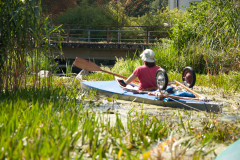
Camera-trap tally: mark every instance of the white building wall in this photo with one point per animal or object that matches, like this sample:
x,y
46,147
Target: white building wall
x,y
181,3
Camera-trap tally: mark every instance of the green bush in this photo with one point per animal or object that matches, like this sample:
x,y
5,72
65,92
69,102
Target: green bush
x,y
213,27
87,15
164,18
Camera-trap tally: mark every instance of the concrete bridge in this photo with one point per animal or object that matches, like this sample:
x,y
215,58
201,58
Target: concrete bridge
x,y
105,43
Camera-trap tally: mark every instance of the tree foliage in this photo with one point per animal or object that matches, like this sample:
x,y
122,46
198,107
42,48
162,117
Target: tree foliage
x,y
158,5
135,8
165,18
119,10
85,14
55,7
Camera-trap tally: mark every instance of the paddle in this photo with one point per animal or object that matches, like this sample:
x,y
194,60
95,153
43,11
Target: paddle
x,y
90,66
178,97
136,91
196,94
151,93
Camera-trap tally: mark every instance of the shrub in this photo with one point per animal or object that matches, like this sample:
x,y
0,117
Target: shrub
x,y
212,26
84,14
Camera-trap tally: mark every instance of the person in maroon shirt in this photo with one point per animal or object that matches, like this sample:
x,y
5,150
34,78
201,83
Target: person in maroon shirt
x,y
145,73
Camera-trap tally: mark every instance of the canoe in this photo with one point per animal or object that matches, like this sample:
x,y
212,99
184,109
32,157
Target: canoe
x,y
112,88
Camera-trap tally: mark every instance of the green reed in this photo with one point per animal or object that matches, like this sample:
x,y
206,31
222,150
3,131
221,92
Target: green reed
x,y
229,82
209,33
61,122
25,43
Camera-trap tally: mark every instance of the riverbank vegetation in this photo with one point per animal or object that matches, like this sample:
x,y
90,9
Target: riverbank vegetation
x,y
229,82
205,36
25,43
63,122
52,117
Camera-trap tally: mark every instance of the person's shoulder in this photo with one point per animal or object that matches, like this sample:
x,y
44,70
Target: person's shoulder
x,y
141,67
156,67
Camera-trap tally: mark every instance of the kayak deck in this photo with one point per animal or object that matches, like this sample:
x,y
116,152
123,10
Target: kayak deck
x,y
112,88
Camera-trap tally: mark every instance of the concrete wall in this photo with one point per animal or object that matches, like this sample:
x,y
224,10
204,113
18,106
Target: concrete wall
x,y
90,53
100,50
180,4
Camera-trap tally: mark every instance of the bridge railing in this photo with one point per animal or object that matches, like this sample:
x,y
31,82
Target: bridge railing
x,y
112,34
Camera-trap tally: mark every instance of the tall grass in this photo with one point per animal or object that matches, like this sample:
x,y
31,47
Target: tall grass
x,y
126,66
213,27
61,122
228,82
24,43
174,63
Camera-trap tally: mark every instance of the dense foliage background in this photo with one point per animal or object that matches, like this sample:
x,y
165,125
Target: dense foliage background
x,y
205,36
132,8
210,31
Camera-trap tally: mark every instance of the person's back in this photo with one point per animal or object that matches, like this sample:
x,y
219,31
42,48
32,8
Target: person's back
x,y
146,73
146,76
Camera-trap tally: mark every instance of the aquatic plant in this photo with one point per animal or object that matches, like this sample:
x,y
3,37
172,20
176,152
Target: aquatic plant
x,y
25,43
64,121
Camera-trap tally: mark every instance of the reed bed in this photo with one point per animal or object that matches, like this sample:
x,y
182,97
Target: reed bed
x,y
229,82
25,44
62,122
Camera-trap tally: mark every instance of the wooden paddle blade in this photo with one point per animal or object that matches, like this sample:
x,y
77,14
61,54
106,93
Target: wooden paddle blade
x,y
86,65
90,66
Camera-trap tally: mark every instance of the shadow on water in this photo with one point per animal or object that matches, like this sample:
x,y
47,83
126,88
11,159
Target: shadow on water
x,y
63,64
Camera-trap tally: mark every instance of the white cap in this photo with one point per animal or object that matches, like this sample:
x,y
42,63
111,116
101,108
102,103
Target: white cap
x,y
148,55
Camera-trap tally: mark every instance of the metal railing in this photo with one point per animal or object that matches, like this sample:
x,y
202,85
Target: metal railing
x,y
112,34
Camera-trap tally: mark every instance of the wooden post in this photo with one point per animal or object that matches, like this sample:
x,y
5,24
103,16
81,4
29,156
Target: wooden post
x,y
89,36
107,34
118,35
68,30
146,35
149,37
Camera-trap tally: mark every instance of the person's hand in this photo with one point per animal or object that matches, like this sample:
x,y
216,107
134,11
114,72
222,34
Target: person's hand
x,y
122,83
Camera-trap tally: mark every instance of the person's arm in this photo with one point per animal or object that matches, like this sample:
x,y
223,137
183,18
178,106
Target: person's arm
x,y
130,78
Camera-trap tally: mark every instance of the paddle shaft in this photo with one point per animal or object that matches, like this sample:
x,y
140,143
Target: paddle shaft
x,y
173,97
90,66
115,74
118,75
196,94
177,97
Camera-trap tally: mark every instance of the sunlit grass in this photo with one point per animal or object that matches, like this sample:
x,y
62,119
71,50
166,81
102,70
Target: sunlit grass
x,y
60,122
228,82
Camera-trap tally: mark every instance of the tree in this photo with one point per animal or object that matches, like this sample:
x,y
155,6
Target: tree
x,y
158,5
55,7
137,8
